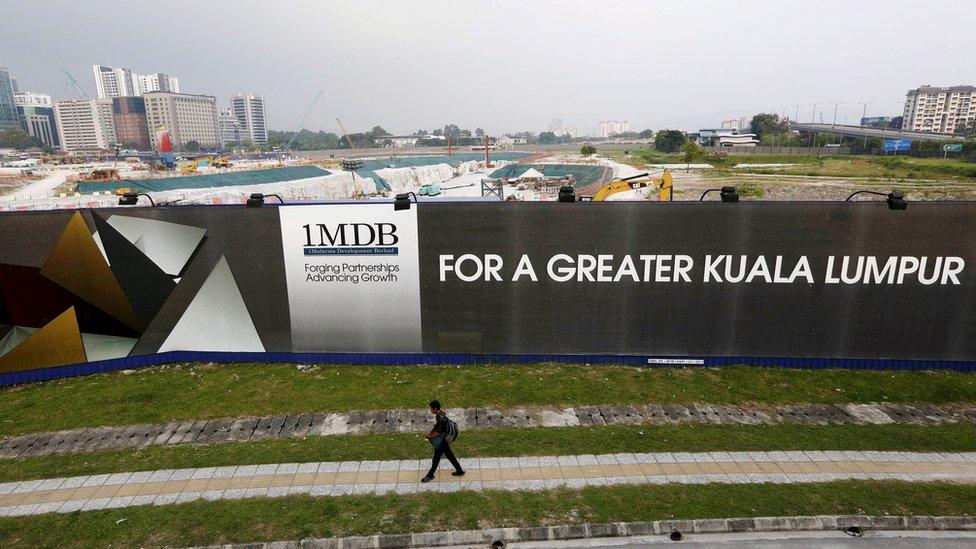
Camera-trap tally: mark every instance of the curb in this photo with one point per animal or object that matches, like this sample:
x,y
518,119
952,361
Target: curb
x,y
485,538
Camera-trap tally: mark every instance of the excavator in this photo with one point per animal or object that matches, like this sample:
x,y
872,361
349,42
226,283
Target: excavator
x,y
664,184
190,167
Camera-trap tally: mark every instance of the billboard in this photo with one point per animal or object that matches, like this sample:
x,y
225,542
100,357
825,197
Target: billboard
x,y
952,147
896,145
439,282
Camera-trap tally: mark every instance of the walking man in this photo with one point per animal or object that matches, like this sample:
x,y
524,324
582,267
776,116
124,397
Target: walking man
x,y
438,438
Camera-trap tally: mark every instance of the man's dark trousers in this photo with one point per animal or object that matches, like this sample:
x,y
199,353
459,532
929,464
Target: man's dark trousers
x,y
444,448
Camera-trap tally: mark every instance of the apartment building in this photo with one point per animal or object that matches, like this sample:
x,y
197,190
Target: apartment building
x,y
8,109
85,124
115,82
231,130
131,126
188,118
159,82
249,110
939,110
122,82
612,127
36,113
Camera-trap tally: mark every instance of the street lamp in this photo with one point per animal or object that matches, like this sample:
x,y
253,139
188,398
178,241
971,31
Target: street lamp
x,y
257,200
130,199
896,200
728,194
402,201
567,194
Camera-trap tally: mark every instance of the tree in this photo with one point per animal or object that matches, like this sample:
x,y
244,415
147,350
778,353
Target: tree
x,y
192,146
421,132
764,124
378,131
452,131
16,138
646,134
669,140
438,132
587,150
465,133
479,132
691,150
547,138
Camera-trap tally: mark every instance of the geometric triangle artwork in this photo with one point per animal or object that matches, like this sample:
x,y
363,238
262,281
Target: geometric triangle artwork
x,y
216,319
145,285
57,343
168,245
77,264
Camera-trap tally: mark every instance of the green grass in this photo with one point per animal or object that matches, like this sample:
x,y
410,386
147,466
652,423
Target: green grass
x,y
504,442
298,517
882,167
209,391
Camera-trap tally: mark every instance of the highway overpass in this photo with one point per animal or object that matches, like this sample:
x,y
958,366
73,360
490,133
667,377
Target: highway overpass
x,y
862,132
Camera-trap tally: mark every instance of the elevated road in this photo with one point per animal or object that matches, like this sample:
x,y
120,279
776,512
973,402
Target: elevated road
x,y
862,132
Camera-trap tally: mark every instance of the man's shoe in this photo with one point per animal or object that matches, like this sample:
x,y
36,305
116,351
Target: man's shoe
x,y
457,474
426,479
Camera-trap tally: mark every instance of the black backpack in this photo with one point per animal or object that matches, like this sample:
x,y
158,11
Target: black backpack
x,y
452,430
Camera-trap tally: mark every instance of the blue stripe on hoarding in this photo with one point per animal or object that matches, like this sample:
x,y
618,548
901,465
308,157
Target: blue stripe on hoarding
x,y
410,359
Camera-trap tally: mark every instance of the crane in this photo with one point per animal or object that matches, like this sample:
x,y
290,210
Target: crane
x,y
345,132
74,82
301,123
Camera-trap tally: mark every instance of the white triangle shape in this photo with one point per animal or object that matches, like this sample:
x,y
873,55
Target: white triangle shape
x,y
216,320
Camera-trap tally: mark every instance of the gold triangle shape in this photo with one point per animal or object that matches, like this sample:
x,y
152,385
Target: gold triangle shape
x,y
77,264
57,343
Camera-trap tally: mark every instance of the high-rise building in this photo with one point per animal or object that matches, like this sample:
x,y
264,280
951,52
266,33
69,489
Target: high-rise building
x,y
115,82
612,127
939,110
36,113
8,109
159,82
85,124
231,130
131,126
187,117
249,110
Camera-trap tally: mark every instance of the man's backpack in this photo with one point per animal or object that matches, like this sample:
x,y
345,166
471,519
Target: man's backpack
x,y
452,430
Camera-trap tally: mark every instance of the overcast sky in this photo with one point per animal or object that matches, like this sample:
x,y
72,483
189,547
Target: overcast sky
x,y
507,65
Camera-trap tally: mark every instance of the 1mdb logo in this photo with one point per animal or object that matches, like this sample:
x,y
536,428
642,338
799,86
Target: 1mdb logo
x,y
351,239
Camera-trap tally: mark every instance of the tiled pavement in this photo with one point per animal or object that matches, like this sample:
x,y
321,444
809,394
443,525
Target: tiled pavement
x,y
523,473
210,431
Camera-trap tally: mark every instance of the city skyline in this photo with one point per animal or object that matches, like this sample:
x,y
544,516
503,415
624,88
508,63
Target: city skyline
x,y
674,69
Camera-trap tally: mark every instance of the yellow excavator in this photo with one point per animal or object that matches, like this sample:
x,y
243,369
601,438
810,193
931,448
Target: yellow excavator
x,y
664,184
190,167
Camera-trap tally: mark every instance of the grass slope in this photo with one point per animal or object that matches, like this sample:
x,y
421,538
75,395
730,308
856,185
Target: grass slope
x,y
504,442
298,517
209,391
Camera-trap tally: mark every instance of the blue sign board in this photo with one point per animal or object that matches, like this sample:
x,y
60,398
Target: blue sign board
x,y
893,145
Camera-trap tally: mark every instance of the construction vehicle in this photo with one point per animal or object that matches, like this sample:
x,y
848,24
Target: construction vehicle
x,y
664,184
190,167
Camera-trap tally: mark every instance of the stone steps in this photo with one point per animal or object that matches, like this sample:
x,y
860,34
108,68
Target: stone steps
x,y
214,431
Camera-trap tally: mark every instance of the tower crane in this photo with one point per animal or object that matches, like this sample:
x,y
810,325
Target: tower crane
x,y
74,82
301,123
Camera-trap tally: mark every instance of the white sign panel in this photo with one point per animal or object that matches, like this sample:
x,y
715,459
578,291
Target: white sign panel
x,y
353,277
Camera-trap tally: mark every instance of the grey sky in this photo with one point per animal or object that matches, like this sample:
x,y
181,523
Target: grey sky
x,y
507,65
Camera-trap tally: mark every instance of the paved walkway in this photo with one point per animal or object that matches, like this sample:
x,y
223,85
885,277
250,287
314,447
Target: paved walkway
x,y
169,486
414,421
